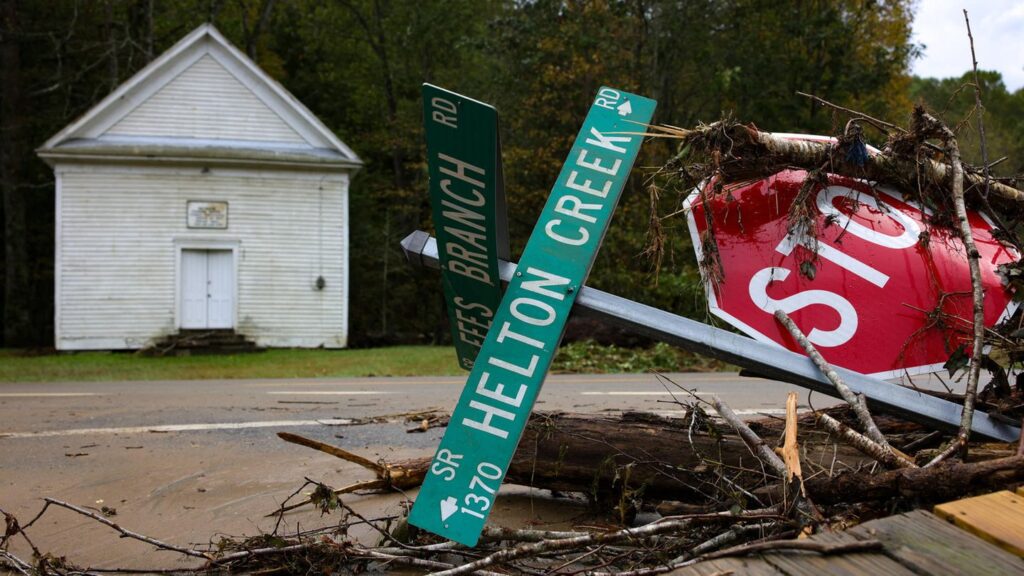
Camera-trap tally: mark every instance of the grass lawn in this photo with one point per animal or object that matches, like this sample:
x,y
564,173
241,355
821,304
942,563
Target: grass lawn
x,y
91,366
578,357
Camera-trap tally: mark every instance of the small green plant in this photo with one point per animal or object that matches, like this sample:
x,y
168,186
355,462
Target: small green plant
x,y
587,356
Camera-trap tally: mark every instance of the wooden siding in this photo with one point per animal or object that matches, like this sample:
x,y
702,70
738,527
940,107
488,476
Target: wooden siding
x,y
120,231
206,101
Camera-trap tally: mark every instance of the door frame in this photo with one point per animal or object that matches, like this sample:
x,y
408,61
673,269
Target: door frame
x,y
181,244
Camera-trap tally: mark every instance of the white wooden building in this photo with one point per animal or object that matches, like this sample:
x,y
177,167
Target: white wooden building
x,y
200,195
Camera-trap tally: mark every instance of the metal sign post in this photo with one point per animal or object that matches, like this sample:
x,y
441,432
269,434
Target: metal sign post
x,y
467,470
763,358
468,201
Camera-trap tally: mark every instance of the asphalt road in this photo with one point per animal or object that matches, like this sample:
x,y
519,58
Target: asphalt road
x,y
228,408
184,460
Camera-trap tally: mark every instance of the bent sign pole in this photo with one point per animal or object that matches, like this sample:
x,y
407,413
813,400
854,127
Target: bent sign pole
x,y
464,476
468,201
765,359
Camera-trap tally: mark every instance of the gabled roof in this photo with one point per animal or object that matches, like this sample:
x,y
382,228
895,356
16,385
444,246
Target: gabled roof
x,y
258,121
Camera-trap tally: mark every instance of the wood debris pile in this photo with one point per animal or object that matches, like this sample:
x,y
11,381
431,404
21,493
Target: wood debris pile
x,y
676,492
668,493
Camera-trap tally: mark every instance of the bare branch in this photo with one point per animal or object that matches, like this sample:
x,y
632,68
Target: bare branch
x,y
752,440
866,445
857,404
931,124
882,125
979,107
805,545
128,533
660,527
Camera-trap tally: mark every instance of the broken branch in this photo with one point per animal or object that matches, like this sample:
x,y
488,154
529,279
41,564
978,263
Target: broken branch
x,y
857,403
866,445
752,440
659,527
127,533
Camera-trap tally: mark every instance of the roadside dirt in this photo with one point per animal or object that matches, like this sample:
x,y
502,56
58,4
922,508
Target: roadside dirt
x,y
194,490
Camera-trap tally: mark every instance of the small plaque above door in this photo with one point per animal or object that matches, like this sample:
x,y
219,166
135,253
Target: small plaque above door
x,y
204,214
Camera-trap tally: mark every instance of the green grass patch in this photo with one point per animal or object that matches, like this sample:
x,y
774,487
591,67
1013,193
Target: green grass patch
x,y
297,363
578,357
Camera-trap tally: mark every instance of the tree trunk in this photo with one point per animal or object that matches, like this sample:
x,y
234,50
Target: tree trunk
x,y
945,481
611,456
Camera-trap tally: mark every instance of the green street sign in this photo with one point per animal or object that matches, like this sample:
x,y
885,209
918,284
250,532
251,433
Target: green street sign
x,y
474,455
468,201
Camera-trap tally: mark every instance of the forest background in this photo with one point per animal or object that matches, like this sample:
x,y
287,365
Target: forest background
x,y
359,64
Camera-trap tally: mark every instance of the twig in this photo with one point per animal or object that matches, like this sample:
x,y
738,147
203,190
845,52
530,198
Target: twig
x,y
921,441
864,444
980,108
381,471
880,124
746,144
752,440
535,548
365,485
805,545
499,533
414,561
13,527
855,402
13,562
246,554
128,533
727,537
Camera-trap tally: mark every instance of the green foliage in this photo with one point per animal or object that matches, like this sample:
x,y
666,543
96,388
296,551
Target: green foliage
x,y
589,357
953,101
359,64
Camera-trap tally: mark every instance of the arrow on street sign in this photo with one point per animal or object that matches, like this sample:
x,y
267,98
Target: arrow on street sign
x,y
468,201
489,419
448,507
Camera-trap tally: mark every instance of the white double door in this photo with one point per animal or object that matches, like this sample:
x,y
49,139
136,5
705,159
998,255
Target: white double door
x,y
207,289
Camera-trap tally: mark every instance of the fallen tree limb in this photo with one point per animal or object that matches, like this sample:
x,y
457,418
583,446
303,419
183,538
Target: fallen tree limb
x,y
599,455
603,456
944,481
747,153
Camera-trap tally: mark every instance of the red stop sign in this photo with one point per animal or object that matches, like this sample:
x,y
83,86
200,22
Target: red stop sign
x,y
881,300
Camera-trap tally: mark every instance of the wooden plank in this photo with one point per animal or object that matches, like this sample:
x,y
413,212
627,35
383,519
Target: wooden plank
x,y
730,566
853,564
997,518
929,545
